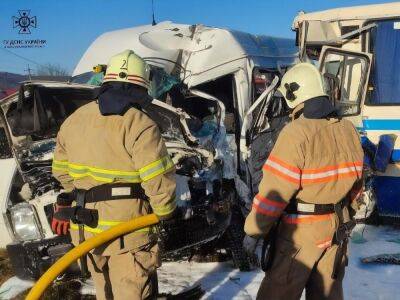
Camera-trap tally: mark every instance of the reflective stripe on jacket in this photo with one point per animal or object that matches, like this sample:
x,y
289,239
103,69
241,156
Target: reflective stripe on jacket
x,y
148,172
314,160
93,149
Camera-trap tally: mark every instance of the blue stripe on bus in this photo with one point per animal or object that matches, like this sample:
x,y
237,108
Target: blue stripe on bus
x,y
381,124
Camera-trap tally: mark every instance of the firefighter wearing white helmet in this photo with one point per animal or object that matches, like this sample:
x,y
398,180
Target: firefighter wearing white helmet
x,y
307,196
129,68
113,164
301,83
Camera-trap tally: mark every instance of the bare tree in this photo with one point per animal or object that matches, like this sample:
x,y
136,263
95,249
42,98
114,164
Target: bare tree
x,y
50,69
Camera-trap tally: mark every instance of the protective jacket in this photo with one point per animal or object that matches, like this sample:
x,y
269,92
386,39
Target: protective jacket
x,y
93,150
315,161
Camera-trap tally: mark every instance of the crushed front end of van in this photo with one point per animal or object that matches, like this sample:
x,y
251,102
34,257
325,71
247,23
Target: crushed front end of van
x,y
216,111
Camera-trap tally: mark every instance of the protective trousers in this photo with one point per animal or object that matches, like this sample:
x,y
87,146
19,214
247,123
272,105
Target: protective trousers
x,y
128,276
304,259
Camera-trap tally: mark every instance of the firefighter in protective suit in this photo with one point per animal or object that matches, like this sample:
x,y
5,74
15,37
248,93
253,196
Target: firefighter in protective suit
x,y
310,184
113,164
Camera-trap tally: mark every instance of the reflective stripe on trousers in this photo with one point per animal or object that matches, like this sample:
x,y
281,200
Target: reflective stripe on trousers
x,y
305,219
310,219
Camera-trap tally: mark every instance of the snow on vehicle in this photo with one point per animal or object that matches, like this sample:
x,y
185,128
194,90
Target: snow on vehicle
x,y
358,55
218,115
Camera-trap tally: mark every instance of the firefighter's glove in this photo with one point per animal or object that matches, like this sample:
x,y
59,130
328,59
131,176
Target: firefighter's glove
x,y
65,199
62,211
61,220
86,216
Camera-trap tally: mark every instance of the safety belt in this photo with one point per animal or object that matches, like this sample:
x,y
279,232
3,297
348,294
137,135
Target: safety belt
x,y
115,191
342,233
80,204
298,207
89,217
341,238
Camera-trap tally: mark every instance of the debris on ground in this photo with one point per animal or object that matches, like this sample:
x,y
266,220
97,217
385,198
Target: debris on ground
x,y
392,259
219,280
194,293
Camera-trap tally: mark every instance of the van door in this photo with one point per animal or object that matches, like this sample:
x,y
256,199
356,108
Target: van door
x,y
346,76
250,123
261,126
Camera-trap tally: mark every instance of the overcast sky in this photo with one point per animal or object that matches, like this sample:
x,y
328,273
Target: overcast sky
x,y
70,26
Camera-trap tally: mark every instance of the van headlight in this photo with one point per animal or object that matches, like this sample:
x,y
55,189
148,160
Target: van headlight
x,y
25,222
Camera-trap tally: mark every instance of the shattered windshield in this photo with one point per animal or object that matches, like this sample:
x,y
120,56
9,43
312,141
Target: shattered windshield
x,y
83,78
161,82
168,122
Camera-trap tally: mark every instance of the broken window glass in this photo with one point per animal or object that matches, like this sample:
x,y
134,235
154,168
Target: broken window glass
x,y
161,82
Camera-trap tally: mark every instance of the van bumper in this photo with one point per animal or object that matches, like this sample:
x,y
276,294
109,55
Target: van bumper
x,y
31,259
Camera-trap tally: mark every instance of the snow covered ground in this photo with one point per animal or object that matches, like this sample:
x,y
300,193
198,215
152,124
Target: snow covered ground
x,y
220,281
362,281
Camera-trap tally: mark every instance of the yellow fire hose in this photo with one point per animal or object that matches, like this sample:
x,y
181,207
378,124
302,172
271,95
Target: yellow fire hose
x,y
73,255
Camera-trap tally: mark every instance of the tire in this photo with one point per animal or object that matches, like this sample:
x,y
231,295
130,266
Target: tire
x,y
234,240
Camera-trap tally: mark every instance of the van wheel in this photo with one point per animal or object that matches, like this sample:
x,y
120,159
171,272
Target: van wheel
x,y
234,240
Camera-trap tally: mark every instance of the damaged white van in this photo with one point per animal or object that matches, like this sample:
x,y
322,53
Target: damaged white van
x,y
218,115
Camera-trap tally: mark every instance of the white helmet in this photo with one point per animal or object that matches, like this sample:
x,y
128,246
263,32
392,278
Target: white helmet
x,y
128,67
301,83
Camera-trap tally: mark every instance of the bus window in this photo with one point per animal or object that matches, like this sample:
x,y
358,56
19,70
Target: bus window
x,y
385,72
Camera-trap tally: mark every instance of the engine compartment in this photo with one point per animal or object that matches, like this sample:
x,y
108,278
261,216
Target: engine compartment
x,y
196,139
192,128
